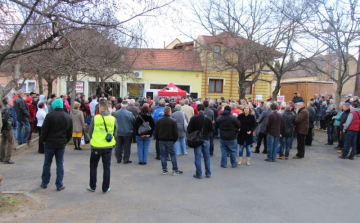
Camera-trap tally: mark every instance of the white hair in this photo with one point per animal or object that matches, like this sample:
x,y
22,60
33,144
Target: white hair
x,y
268,105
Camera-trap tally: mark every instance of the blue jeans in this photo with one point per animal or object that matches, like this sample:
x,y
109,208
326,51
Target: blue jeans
x,y
255,132
231,147
272,143
205,150
105,155
59,157
241,150
350,141
285,145
16,131
23,138
143,146
330,133
180,146
292,139
167,147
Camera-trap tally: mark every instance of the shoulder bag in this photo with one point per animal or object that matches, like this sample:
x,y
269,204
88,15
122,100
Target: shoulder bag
x,y
185,122
108,135
144,128
195,138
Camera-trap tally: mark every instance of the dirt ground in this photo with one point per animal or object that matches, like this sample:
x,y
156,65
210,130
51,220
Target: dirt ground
x,y
15,207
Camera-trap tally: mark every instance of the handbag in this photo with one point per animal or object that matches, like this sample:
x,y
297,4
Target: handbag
x,y
86,138
108,135
185,122
195,138
144,128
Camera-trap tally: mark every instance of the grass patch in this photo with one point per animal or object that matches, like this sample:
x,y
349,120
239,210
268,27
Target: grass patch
x,y
8,202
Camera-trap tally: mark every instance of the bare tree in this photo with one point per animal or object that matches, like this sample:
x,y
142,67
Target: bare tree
x,y
243,28
19,20
335,26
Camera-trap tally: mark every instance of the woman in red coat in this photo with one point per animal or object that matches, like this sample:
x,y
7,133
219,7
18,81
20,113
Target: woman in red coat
x,y
32,111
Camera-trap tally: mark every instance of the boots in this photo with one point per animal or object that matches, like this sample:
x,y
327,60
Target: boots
x,y
247,161
240,160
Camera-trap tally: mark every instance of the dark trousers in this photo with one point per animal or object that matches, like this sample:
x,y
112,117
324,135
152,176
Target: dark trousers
x,y
41,144
211,139
261,136
301,145
330,133
358,144
105,155
31,130
322,124
308,140
123,142
157,147
7,145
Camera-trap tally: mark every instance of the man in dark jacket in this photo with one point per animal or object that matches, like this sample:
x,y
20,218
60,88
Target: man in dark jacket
x,y
345,114
301,128
7,133
312,117
203,123
286,133
56,132
322,115
166,132
229,126
211,114
273,130
23,116
330,124
262,134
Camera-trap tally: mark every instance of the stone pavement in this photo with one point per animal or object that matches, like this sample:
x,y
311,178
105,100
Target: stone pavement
x,y
319,188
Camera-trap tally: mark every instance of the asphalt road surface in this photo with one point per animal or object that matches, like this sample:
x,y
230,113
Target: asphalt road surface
x,y
319,188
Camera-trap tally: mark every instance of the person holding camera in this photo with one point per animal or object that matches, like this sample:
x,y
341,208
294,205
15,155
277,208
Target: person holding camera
x,y
102,135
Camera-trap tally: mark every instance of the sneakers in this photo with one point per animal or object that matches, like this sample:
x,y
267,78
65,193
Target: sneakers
x,y
89,189
165,172
108,190
177,172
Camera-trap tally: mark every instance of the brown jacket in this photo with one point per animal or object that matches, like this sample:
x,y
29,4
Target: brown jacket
x,y
302,122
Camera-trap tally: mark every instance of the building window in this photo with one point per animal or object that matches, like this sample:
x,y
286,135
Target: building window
x,y
216,85
216,52
157,86
248,90
28,86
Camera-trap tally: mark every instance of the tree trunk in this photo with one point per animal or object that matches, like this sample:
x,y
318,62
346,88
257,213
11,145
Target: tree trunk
x,y
276,91
49,87
338,94
41,87
68,83
73,94
242,89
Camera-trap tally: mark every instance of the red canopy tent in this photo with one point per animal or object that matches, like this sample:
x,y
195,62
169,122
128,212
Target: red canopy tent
x,y
171,90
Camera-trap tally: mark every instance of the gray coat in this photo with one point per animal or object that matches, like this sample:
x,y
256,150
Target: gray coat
x,y
262,120
77,118
125,122
179,118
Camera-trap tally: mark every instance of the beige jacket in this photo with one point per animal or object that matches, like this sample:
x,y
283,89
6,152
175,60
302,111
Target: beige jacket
x,y
77,117
189,111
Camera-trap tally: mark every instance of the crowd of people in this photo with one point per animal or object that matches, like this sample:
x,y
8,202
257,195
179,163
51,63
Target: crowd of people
x,y
112,123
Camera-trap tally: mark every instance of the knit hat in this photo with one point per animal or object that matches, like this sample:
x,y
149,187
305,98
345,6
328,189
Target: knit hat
x,y
58,103
227,108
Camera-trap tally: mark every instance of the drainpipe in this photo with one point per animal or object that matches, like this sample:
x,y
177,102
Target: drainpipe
x,y
206,72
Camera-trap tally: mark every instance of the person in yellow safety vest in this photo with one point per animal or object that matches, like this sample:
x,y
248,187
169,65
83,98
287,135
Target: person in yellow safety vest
x,y
102,134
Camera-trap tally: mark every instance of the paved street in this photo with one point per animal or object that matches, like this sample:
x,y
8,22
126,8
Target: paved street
x,y
319,188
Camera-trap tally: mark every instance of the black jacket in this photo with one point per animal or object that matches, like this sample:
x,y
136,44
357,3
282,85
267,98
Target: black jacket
x,y
312,116
7,118
288,123
344,117
57,128
228,125
166,129
247,123
22,110
328,117
147,118
198,121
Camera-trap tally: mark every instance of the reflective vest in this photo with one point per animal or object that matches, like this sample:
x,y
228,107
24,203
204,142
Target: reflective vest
x,y
98,139
355,123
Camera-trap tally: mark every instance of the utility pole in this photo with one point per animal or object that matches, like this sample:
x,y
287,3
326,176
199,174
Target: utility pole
x,y
357,79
